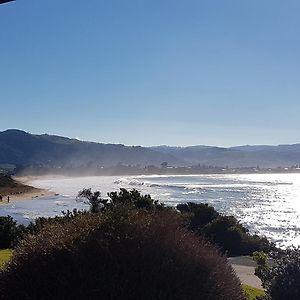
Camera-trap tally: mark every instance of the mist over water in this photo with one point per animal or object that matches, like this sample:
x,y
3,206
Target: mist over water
x,y
267,204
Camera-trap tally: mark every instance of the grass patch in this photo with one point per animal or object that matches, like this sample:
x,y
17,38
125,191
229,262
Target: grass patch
x,y
252,292
5,256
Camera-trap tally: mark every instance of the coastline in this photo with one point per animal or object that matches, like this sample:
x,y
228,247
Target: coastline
x,y
24,192
244,267
212,190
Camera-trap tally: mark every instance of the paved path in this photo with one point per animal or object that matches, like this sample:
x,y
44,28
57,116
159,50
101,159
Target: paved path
x,y
244,267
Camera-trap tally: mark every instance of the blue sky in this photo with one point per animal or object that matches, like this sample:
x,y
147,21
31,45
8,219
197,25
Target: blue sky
x,y
149,72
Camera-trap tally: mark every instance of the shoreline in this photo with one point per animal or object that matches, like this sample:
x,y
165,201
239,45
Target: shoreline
x,y
29,195
25,192
25,196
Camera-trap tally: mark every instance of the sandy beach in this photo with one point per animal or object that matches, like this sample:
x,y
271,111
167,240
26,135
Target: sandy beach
x,y
26,192
35,193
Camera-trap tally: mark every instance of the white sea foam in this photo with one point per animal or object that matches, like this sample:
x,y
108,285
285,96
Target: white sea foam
x,y
267,204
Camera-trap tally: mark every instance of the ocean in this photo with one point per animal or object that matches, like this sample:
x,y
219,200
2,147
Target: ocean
x,y
267,204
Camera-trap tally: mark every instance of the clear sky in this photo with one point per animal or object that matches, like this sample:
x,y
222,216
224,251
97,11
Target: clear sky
x,y
149,72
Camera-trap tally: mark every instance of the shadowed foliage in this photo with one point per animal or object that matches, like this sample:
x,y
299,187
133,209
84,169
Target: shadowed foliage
x,y
281,279
10,232
94,198
132,198
224,231
122,254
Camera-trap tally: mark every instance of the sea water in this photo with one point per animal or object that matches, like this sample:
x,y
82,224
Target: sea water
x,y
267,204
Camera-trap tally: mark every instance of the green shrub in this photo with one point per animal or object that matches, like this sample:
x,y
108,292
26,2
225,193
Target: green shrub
x,y
6,181
94,198
224,231
200,213
36,226
281,279
134,198
10,232
122,254
261,259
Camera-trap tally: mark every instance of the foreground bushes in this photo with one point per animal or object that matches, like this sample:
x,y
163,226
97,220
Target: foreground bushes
x,y
11,233
120,254
224,231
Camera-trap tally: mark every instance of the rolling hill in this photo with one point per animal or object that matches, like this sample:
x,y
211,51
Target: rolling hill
x,y
236,157
21,148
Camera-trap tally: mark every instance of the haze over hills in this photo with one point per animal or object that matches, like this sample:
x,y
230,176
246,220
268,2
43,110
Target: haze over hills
x,y
21,148
240,156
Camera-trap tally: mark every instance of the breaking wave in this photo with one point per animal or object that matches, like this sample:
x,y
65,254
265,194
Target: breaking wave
x,y
136,183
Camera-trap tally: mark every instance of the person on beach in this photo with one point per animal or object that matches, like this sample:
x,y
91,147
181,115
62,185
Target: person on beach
x,y
7,199
1,198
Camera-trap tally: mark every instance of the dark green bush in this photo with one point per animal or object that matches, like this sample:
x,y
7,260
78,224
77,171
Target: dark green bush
x,y
94,198
281,279
6,181
10,232
134,198
122,254
224,231
200,214
36,226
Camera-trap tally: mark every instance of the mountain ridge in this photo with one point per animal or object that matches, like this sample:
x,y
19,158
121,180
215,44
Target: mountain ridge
x,y
18,147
